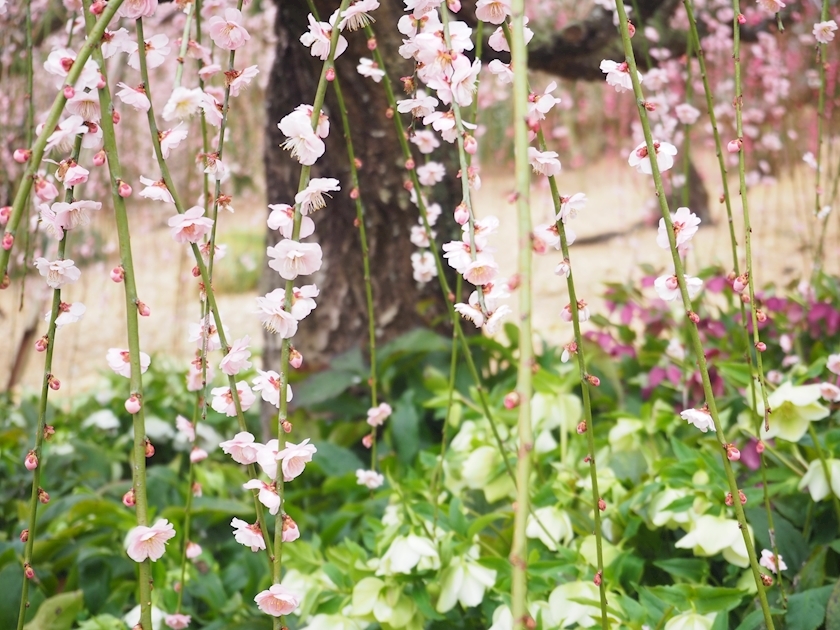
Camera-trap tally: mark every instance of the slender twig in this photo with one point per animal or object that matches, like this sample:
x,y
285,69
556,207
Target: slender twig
x,y
95,31
695,337
822,61
185,40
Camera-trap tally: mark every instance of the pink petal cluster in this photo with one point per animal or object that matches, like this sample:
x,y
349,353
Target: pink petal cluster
x,y
149,542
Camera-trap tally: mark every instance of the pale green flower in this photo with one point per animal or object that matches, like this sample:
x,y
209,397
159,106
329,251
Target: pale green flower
x,y
555,521
567,609
334,622
624,435
478,473
691,621
589,551
816,482
408,552
712,535
793,408
465,581
386,603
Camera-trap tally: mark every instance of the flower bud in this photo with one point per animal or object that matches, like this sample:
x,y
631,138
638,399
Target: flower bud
x,y
49,431
143,309
117,274
602,505
389,113
581,427
512,400
330,76
69,92
593,380
742,497
295,358
115,117
99,158
766,580
31,461
193,550
8,241
733,146
124,190
24,535
462,215
197,455
150,448
732,453
759,447
742,19
409,164
42,343
367,441
28,571
671,283
470,144
5,213
132,405
21,156
354,194
55,384
728,500
740,283
694,317
286,426
98,7
196,489
5,282
129,498
371,43
43,496
631,29
598,579
761,316
761,346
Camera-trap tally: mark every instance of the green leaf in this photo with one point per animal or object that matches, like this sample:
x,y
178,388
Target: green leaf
x,y
478,525
336,461
456,517
324,386
832,611
691,569
807,610
58,612
756,619
405,428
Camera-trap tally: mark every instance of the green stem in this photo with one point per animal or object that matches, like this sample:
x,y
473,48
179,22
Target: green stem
x,y
695,337
185,40
42,416
129,284
92,41
822,52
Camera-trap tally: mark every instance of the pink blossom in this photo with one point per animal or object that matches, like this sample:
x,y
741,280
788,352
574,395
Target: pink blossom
x,y
86,105
157,48
498,42
205,335
45,190
540,104
242,448
58,272
667,287
170,139
193,550
114,42
376,416
544,162
247,534
149,542
223,398
295,457
481,271
68,129
177,621
569,206
470,313
618,75
640,160
72,175
68,314
771,562
274,316
267,494
135,9
318,39
425,140
183,103
277,601
290,529
282,217
268,385
686,114
369,68
771,6
305,145
423,266
369,478
155,190
493,11
420,106
356,15
292,259
700,418
686,224
186,427
237,357
833,363
60,61
119,360
191,226
302,300
134,97
311,198
824,31
228,33
239,80
267,458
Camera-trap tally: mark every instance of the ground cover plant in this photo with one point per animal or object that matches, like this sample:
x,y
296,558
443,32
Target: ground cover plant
x,y
674,463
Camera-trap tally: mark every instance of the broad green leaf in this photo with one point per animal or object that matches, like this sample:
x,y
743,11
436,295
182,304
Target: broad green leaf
x,y
57,613
832,611
807,610
405,428
322,387
335,460
691,569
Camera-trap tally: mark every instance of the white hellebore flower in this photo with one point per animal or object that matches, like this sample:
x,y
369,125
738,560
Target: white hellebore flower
x,y
794,408
465,581
815,479
558,526
691,621
715,534
408,552
566,609
386,604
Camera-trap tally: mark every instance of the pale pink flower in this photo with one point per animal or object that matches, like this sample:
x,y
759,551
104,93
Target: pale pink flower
x,y
771,562
60,61
205,335
502,71
282,217
498,42
311,198
420,237
156,190
431,173
242,448
376,416
833,363
239,80
177,621
824,31
491,326
223,398
197,454
237,357
114,42
687,114
640,160
68,314
228,32
267,458
170,139
212,109
423,266
295,457
830,392
668,289
119,360
700,418
247,534
540,104
73,175
291,532
134,9
459,87
44,190
277,601
457,254
305,145
322,127
68,129
356,15
268,385
292,259
420,106
569,206
193,550
546,235
302,300
268,494
544,162
369,68
149,542
274,316
470,313
481,271
618,75
157,48
58,272
186,427
134,97
493,11
425,140
209,71
369,478
215,167
318,39
191,226
183,103
771,6
86,105
686,224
